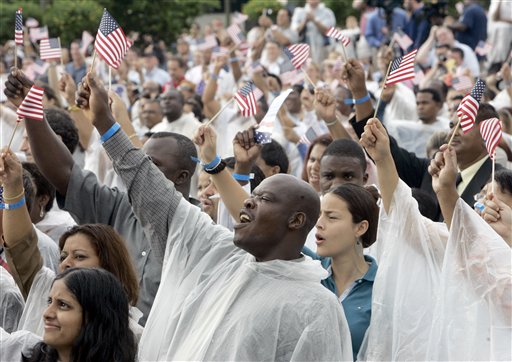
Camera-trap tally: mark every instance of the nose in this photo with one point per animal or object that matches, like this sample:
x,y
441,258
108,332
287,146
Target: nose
x,y
209,190
249,203
66,263
49,313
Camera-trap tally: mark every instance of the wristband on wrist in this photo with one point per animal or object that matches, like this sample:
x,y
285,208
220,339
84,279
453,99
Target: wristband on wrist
x,y
357,101
14,197
16,205
111,131
210,165
330,124
218,168
233,60
73,108
240,177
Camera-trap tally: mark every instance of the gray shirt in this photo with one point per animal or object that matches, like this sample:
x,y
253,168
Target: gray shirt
x,y
89,202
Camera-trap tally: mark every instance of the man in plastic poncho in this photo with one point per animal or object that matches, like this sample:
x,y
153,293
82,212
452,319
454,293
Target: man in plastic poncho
x,y
251,296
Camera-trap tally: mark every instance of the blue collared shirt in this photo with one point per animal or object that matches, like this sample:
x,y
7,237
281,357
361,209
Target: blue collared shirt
x,y
356,299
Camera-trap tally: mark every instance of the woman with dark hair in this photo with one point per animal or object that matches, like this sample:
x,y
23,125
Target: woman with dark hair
x,y
83,246
311,170
347,224
86,319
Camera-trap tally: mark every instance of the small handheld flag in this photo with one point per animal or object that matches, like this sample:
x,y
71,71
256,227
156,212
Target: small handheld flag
x,y
298,54
338,35
246,100
236,34
401,69
36,34
491,133
207,43
18,27
50,49
264,133
468,107
32,106
483,48
111,43
402,40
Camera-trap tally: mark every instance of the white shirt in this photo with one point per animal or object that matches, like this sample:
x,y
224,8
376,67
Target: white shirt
x,y
186,125
158,75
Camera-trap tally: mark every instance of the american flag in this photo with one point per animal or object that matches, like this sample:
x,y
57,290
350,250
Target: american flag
x,y
266,126
292,77
236,34
263,138
308,136
87,39
402,69
208,42
239,18
18,27
468,107
402,40
50,49
462,83
246,100
111,43
298,54
36,34
32,105
337,34
491,133
483,48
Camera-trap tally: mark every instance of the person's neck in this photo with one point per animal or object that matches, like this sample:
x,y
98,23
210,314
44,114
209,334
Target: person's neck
x,y
348,267
184,190
77,63
172,117
64,355
282,253
429,120
465,161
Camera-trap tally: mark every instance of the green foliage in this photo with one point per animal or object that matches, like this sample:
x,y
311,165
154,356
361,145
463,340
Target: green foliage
x,y
164,19
254,8
341,9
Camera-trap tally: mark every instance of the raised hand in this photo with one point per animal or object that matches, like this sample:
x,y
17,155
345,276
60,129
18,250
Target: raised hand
x,y
11,173
206,138
375,140
93,98
17,86
499,216
67,87
325,105
246,149
443,169
353,75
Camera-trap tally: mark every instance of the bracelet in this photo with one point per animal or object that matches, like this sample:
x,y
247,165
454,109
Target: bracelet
x,y
16,205
132,136
14,197
218,168
233,60
111,131
73,108
214,163
330,124
350,101
240,177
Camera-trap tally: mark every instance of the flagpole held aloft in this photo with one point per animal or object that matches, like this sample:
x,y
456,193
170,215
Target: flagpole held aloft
x,y
383,87
220,111
109,78
61,59
455,129
13,133
93,60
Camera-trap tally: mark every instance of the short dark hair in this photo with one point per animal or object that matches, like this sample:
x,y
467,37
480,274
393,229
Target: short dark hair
x,y
324,140
274,155
105,334
62,124
459,51
187,148
503,178
436,97
112,254
362,205
485,111
43,186
346,148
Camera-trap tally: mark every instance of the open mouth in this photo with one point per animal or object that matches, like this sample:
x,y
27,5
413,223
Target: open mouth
x,y
319,239
244,218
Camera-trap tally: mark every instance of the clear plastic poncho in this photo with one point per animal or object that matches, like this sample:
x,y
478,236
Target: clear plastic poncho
x,y
439,295
11,302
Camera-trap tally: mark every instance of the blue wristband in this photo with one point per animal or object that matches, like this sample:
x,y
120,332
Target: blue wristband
x,y
240,177
111,131
16,205
357,101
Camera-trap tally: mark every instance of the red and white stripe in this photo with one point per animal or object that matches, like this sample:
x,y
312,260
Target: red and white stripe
x,y
402,40
234,32
292,77
462,83
32,106
300,54
248,106
338,35
404,71
46,50
490,129
467,110
112,48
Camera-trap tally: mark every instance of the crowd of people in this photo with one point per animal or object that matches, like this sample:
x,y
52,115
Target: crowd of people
x,y
143,219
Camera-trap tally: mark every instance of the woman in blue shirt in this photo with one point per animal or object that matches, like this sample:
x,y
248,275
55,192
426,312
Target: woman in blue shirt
x,y
348,223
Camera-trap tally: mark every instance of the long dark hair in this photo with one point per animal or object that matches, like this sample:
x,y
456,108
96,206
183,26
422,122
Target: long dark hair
x,y
105,334
324,140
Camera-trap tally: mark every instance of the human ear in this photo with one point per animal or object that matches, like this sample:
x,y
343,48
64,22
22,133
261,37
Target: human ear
x,y
297,221
362,228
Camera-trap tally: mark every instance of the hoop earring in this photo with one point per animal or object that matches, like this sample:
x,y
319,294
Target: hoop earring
x,y
41,213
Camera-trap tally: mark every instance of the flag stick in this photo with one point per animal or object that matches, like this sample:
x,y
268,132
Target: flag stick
x,y
109,78
13,133
383,87
220,111
454,132
308,79
15,55
93,60
492,174
61,59
344,52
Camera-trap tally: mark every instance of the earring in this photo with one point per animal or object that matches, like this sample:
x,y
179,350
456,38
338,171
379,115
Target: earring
x,y
41,213
358,240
